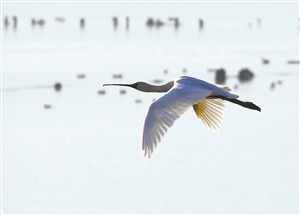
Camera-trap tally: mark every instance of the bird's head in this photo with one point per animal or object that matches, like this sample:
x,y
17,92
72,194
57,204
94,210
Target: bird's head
x,y
145,87
141,86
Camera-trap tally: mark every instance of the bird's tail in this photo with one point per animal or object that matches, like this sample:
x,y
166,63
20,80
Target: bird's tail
x,y
249,105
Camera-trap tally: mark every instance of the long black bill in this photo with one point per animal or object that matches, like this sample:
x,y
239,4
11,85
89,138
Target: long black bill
x,y
249,105
124,85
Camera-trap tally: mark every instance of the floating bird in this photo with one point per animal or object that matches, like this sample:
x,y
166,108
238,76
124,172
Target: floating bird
x,y
82,22
176,21
265,61
293,61
60,19
33,22
15,21
6,22
101,92
81,76
245,75
122,92
138,101
158,23
150,22
201,23
46,106
115,21
258,20
117,76
272,86
57,86
127,22
41,22
157,81
220,76
208,101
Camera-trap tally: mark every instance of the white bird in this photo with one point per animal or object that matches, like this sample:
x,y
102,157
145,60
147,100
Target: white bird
x,y
207,100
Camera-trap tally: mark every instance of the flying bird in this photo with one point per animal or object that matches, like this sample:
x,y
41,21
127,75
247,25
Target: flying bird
x,y
208,101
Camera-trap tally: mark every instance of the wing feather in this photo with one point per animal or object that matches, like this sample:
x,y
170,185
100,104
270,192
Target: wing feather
x,y
163,113
211,112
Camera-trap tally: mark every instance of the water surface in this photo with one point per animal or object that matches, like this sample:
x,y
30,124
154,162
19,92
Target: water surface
x,y
83,155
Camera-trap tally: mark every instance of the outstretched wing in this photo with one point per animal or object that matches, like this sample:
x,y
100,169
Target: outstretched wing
x,y
164,112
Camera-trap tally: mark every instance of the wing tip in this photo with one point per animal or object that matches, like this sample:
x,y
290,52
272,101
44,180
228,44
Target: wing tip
x,y
147,152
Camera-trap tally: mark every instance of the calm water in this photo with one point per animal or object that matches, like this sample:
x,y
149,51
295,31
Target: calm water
x,y
83,155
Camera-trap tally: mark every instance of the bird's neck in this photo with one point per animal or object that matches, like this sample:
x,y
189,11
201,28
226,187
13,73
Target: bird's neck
x,y
158,88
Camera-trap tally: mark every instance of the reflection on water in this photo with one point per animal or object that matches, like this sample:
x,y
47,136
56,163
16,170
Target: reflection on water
x,y
70,146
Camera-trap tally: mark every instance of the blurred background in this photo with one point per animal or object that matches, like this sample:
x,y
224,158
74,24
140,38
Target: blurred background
x,y
70,145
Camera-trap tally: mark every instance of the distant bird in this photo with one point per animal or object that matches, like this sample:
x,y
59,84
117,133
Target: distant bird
x,y
46,106
101,92
15,21
33,22
138,101
158,23
208,101
245,75
201,23
115,21
258,20
41,22
150,22
57,86
81,76
82,22
175,20
272,86
60,19
157,81
127,22
220,76
122,92
293,61
6,22
265,61
117,76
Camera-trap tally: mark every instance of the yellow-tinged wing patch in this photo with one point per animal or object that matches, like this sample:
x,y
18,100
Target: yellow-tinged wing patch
x,y
211,112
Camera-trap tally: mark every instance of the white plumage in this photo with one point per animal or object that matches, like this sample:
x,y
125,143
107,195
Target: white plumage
x,y
181,94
